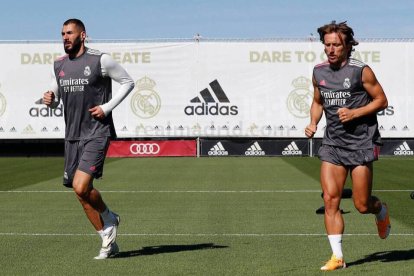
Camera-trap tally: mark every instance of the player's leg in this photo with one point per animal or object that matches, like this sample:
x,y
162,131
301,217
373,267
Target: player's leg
x,y
92,202
80,181
92,162
364,202
90,167
333,179
89,198
94,207
361,190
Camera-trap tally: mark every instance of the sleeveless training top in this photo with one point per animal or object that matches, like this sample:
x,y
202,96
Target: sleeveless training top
x,y
343,88
81,87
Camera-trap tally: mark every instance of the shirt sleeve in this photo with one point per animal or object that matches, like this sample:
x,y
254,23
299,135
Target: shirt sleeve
x,y
110,68
55,89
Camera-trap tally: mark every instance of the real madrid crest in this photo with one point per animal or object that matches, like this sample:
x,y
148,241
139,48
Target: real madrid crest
x,y
145,102
347,83
300,99
87,71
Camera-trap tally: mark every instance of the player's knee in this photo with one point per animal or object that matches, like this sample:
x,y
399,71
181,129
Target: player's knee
x,y
362,207
82,184
81,193
331,199
80,190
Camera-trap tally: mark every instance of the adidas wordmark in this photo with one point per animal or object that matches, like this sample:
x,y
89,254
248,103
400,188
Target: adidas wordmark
x,y
255,149
403,149
218,149
292,149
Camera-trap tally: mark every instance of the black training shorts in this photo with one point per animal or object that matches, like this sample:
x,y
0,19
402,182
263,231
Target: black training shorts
x,y
345,157
85,155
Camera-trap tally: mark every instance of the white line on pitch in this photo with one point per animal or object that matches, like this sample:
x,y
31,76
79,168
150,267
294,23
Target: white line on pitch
x,y
174,191
198,234
195,191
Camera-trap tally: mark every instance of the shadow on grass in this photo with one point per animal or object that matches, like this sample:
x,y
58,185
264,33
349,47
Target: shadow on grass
x,y
161,249
386,256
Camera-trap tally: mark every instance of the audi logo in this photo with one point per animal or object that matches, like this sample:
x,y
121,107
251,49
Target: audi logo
x,y
149,148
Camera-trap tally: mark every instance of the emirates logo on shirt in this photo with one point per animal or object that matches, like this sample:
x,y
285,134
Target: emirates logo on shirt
x,y
61,73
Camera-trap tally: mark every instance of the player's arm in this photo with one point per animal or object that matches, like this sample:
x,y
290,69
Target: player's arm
x,y
374,89
51,98
316,111
117,73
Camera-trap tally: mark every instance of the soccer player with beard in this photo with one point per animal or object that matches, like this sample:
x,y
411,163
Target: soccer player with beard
x,y
349,94
83,80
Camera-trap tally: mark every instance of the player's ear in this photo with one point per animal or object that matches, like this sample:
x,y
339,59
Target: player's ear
x,y
83,35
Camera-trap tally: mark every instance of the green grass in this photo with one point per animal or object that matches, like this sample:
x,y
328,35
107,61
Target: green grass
x,y
206,216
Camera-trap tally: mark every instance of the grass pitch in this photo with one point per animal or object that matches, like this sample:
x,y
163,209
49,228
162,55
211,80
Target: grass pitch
x,y
206,216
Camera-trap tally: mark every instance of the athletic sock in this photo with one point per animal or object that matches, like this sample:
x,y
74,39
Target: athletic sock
x,y
336,245
108,218
381,215
101,233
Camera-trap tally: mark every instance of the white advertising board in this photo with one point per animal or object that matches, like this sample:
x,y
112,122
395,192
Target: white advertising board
x,y
203,89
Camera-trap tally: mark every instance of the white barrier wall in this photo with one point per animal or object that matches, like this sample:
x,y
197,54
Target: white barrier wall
x,y
207,88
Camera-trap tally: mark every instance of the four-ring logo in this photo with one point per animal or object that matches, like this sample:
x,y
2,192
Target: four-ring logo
x,y
148,148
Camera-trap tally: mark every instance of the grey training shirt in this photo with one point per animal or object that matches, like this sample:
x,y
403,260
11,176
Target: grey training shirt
x,y
85,82
344,88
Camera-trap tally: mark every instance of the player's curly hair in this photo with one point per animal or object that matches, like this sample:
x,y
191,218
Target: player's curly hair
x,y
342,28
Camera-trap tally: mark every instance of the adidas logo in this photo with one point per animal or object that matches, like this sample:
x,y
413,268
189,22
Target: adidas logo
x,y
292,149
28,130
218,149
45,111
210,106
255,149
403,149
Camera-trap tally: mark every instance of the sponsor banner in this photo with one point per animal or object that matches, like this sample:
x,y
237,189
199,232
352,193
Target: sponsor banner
x,y
291,147
201,88
396,147
152,148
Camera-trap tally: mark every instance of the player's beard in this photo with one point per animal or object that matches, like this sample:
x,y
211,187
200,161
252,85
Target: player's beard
x,y
76,46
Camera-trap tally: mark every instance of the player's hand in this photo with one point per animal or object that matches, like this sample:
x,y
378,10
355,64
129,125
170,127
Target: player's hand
x,y
48,98
345,114
310,130
97,112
